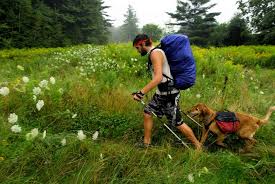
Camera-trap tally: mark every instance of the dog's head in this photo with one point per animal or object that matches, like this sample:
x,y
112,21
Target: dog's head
x,y
198,110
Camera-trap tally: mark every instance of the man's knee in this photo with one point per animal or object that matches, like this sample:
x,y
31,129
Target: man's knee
x,y
147,115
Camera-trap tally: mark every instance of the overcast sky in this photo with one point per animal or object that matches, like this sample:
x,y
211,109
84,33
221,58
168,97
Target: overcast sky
x,y
153,11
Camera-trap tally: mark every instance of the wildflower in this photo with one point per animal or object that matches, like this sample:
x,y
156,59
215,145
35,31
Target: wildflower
x,y
198,95
261,92
205,170
101,156
169,156
80,135
16,128
43,84
95,135
39,104
203,76
34,98
63,142
20,67
4,91
191,178
251,78
44,134
13,118
36,90
52,80
25,79
60,90
74,116
34,132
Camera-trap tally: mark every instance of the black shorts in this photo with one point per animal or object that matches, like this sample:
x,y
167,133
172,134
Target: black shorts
x,y
166,105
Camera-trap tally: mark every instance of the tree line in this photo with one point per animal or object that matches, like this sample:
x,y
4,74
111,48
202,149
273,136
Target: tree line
x,y
52,23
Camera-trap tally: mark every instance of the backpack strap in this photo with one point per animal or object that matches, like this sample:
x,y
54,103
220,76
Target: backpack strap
x,y
149,63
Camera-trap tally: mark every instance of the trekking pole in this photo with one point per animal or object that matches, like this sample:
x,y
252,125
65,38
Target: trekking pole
x,y
169,128
191,119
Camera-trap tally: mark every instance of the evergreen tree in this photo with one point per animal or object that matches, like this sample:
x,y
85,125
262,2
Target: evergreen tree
x,y
261,15
51,23
194,20
238,32
130,27
153,31
219,35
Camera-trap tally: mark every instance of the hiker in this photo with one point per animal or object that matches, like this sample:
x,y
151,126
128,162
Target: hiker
x,y
165,101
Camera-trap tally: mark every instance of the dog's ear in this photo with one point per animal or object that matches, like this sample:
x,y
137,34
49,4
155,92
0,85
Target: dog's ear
x,y
203,109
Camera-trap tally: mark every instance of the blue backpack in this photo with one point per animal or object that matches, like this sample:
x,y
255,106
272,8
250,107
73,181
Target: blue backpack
x,y
180,59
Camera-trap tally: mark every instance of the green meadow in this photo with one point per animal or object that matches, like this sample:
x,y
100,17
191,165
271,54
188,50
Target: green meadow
x,y
54,101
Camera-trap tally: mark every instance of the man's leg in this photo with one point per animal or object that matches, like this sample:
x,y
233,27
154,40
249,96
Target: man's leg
x,y
148,125
188,132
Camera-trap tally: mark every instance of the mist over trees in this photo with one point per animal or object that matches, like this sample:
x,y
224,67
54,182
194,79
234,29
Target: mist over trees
x,y
51,23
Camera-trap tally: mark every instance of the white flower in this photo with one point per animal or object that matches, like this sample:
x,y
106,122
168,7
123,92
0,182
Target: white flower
x,y
36,90
191,178
60,90
44,134
203,76
52,80
198,95
13,118
205,170
169,156
20,67
261,92
25,79
16,128
95,135
80,135
251,78
101,156
74,116
34,98
34,132
4,91
43,84
39,104
63,142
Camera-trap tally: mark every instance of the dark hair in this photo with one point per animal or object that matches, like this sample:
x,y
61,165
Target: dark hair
x,y
142,37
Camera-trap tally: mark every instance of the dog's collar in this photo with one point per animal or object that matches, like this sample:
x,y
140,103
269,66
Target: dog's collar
x,y
208,125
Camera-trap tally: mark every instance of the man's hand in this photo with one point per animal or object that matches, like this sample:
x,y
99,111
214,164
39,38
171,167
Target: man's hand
x,y
138,95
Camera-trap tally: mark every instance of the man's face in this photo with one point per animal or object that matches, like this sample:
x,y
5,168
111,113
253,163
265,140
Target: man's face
x,y
141,50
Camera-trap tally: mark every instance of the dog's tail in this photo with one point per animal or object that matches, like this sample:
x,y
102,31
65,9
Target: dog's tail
x,y
267,116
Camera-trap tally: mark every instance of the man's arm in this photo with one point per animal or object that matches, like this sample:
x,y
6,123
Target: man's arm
x,y
157,62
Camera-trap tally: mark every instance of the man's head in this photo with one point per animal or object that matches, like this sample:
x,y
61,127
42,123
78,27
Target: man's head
x,y
142,43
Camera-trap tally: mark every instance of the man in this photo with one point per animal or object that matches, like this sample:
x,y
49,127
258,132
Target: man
x,y
166,98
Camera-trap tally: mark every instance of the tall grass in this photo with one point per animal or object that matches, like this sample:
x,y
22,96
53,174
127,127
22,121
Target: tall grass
x,y
94,84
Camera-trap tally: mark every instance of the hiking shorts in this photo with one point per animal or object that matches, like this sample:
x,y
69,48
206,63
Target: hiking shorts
x,y
166,105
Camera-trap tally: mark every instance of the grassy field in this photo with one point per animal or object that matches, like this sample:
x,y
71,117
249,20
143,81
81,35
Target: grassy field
x,y
53,102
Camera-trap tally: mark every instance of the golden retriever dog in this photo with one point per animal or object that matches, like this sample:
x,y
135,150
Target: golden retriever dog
x,y
246,129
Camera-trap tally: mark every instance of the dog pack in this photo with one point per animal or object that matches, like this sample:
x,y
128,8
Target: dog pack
x,y
227,122
180,58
